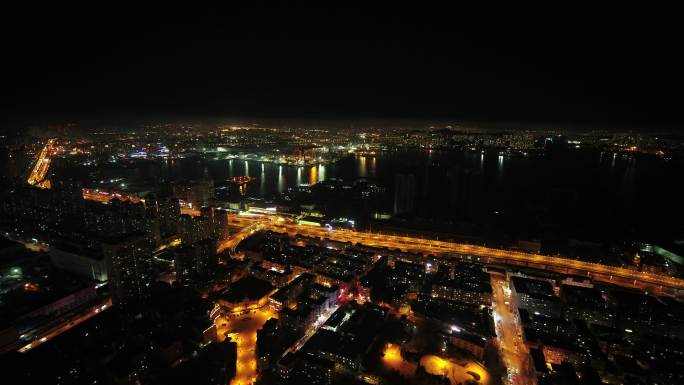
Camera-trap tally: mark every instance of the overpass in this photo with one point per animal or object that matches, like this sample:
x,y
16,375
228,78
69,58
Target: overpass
x,y
476,254
231,243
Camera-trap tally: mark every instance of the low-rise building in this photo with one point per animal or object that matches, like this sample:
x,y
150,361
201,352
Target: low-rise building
x,y
248,293
536,296
469,342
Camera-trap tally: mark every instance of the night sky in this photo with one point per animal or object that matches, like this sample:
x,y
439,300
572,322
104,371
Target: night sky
x,y
523,63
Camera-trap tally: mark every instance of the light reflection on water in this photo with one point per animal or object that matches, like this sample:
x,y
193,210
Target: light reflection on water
x,y
321,172
274,178
313,175
282,181
366,166
500,169
488,175
262,181
362,166
620,191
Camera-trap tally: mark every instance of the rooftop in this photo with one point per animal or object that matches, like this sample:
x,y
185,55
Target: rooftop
x,y
533,287
247,288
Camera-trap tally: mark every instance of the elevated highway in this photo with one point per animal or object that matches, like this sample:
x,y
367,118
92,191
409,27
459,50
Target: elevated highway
x,y
480,254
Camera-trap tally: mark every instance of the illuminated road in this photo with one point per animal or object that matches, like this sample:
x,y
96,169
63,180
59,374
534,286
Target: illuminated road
x,y
312,330
67,325
33,244
513,351
190,211
104,196
39,172
187,209
612,274
243,331
486,255
235,238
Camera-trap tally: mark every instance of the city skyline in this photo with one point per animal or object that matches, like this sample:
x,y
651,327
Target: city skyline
x,y
284,195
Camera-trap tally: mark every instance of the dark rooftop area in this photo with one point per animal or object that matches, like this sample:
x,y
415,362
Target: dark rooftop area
x,y
533,287
247,288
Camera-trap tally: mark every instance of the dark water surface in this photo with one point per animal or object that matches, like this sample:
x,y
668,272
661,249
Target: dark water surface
x,y
586,192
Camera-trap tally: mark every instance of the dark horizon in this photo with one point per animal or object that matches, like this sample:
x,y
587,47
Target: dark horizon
x,y
529,65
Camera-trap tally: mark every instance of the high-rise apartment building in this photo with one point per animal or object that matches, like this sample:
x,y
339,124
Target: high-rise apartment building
x,y
129,268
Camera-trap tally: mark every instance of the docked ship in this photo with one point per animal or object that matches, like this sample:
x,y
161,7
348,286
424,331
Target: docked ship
x,y
241,180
